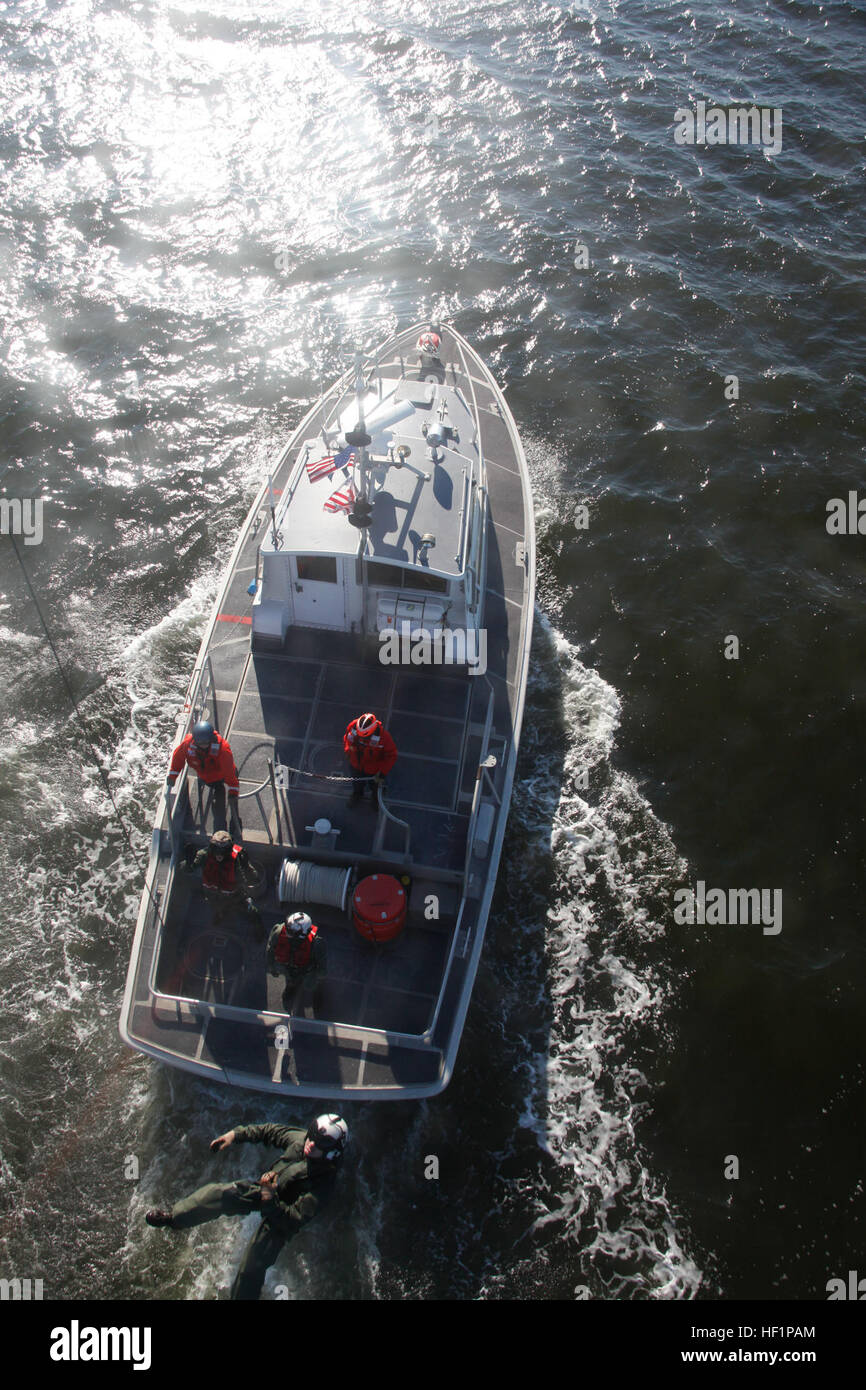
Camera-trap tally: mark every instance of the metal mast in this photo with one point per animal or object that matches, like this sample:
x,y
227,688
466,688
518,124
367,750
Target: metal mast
x,y
361,513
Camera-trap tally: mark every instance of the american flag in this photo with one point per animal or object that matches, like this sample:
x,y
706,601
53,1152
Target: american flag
x,y
325,467
342,499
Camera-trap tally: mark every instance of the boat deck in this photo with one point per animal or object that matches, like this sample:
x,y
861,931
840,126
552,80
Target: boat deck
x,y
391,986
292,708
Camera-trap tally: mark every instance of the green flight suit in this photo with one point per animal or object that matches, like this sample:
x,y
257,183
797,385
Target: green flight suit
x,y
303,1187
238,900
299,979
316,967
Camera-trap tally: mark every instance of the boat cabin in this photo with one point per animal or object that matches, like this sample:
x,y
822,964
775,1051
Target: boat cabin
x,y
416,560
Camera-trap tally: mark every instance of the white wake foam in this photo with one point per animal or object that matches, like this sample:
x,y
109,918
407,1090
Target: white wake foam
x,y
607,984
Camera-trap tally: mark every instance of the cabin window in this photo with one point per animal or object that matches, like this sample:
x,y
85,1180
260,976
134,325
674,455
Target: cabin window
x,y
383,574
430,583
322,568
393,577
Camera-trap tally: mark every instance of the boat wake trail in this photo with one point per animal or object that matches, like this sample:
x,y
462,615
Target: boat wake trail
x,y
571,1012
593,870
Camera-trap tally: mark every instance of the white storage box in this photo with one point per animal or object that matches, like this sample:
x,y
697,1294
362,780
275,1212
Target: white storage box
x,y
395,613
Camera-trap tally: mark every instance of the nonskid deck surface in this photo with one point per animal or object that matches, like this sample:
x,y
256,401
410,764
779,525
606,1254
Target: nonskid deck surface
x,y
289,705
215,958
292,708
392,986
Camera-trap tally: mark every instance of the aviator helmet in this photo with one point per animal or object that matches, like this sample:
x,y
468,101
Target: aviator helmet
x,y
329,1133
299,924
202,734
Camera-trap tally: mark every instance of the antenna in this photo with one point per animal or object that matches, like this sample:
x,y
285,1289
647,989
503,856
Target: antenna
x,y
361,513
272,504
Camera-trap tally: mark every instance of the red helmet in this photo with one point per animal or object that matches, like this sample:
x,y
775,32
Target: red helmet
x,y
367,725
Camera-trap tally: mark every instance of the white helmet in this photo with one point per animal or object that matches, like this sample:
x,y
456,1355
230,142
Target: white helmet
x,y
330,1134
299,924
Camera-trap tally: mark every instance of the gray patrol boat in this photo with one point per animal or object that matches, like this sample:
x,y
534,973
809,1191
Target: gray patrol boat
x,y
386,566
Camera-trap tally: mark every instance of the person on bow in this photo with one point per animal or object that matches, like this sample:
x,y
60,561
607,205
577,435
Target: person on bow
x,y
209,756
288,1195
297,952
371,752
228,877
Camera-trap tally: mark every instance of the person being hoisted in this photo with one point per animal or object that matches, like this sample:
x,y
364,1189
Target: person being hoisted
x,y
297,951
209,756
228,878
294,1190
372,753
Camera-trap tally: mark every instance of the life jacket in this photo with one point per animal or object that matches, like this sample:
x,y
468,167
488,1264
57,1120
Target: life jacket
x,y
199,757
375,753
221,874
205,761
297,955
212,764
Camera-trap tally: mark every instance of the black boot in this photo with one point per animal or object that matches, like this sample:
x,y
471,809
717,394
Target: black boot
x,y
158,1217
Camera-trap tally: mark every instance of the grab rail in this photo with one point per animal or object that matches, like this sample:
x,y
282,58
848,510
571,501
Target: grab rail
x,y
477,435
389,815
201,690
482,770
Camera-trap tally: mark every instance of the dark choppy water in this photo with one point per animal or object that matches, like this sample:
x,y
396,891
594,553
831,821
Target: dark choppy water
x,y
198,203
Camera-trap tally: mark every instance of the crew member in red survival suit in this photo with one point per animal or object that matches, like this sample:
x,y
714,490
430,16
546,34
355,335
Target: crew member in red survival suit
x,y
209,756
372,753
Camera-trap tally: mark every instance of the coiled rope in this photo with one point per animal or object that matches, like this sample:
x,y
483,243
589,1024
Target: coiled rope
x,y
313,883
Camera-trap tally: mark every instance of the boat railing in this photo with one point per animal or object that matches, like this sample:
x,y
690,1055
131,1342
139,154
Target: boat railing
x,y
269,1017
404,825
292,483
486,763
175,808
339,390
201,692
463,517
472,484
462,936
473,566
169,817
476,419
457,937
199,703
